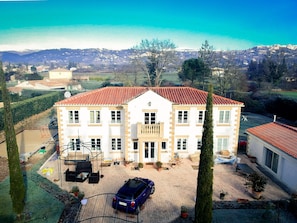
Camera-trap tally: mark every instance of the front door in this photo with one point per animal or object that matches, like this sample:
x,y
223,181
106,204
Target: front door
x,y
149,152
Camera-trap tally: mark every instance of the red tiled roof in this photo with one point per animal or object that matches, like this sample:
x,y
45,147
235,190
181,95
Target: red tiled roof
x,y
281,136
122,95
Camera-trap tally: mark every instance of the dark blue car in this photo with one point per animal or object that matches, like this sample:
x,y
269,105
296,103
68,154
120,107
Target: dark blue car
x,y
132,195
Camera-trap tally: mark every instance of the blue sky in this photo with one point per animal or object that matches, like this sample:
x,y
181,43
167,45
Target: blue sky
x,y
228,24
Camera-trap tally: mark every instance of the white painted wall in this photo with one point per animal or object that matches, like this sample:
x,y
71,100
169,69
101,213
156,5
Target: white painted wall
x,y
135,109
286,165
158,103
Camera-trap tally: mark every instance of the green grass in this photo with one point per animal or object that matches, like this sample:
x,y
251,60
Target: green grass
x,y
252,121
40,206
37,205
127,79
289,94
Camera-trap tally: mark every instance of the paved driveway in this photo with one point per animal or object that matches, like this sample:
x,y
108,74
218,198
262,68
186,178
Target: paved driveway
x,y
174,187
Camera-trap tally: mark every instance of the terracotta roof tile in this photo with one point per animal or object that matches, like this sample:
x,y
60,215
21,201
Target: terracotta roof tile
x,y
122,95
281,136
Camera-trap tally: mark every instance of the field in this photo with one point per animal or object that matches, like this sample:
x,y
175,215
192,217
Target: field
x,y
250,120
289,94
127,78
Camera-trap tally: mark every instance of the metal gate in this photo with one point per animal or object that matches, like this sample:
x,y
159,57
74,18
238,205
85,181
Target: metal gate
x,y
98,208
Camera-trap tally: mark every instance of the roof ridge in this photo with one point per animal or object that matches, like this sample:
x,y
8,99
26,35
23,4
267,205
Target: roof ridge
x,y
286,126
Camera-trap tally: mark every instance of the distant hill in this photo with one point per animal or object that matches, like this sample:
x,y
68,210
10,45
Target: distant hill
x,y
106,57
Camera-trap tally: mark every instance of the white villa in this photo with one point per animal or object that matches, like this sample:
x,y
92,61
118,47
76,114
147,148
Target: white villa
x,y
145,124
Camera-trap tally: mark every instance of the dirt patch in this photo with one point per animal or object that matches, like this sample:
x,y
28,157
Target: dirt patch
x,y
34,122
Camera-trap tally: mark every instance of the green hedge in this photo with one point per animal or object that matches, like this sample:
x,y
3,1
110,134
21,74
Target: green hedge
x,y
27,108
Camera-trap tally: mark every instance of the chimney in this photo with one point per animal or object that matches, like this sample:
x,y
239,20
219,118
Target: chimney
x,y
274,118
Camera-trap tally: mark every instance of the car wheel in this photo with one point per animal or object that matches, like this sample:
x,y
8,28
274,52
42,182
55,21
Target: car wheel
x,y
153,190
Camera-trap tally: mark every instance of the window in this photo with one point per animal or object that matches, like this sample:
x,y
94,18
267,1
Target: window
x,y
75,144
116,144
199,144
181,144
201,115
95,144
222,144
271,160
224,117
73,117
182,117
149,118
163,145
94,116
116,116
135,145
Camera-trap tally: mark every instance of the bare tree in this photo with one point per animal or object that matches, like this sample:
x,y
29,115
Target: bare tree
x,y
153,57
207,54
230,77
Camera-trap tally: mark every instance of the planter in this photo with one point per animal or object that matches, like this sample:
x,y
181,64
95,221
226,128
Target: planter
x,y
256,194
222,196
184,212
258,184
159,165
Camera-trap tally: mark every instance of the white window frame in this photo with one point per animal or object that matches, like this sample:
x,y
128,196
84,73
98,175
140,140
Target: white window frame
x,y
182,117
135,145
116,144
115,116
75,144
201,117
181,144
95,116
73,116
199,143
96,144
224,116
222,143
163,145
149,118
274,160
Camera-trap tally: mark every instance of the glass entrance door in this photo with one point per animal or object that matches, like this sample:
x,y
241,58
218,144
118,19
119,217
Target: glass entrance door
x,y
149,152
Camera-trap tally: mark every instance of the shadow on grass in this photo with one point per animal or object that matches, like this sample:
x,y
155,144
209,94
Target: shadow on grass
x,y
45,201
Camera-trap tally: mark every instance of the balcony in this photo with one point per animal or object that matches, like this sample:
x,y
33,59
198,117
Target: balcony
x,y
150,130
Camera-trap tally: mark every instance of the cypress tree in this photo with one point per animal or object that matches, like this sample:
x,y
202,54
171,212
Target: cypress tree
x,y
203,205
17,185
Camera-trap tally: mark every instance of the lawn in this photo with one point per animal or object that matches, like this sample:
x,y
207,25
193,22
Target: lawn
x,y
251,120
41,206
37,204
127,79
289,94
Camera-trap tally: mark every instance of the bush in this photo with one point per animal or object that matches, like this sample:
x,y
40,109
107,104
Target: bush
x,y
27,108
257,182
